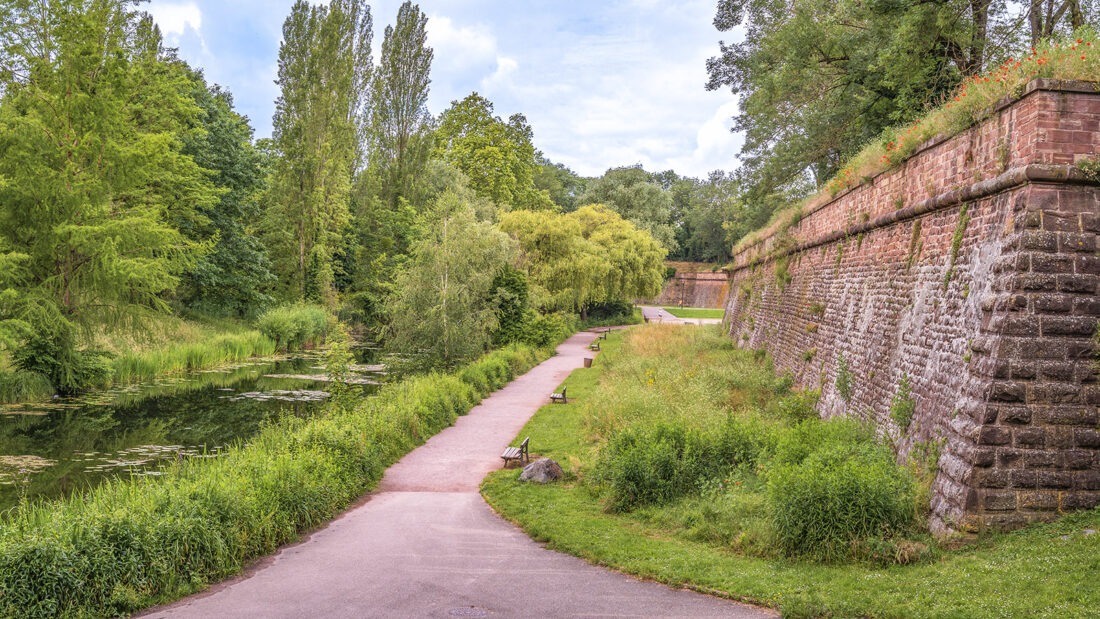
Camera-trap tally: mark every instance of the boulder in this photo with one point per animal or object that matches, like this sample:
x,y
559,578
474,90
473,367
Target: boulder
x,y
542,471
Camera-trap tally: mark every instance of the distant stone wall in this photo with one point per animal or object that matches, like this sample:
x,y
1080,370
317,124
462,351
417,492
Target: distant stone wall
x,y
695,289
972,271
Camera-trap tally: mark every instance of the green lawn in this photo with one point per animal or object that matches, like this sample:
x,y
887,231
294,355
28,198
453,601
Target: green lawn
x,y
695,312
1043,571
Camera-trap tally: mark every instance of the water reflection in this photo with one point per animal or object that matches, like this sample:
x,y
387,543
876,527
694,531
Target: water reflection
x,y
56,448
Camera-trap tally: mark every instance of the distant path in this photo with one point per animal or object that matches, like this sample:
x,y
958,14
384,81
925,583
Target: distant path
x,y
425,544
656,314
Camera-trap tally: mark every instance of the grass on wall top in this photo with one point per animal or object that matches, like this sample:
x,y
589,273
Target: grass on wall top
x,y
974,100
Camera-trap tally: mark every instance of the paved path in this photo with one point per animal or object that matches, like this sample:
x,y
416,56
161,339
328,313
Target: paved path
x,y
656,314
426,545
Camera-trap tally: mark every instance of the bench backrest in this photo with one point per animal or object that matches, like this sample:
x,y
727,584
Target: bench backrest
x,y
523,445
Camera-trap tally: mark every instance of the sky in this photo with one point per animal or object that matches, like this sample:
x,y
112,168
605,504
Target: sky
x,y
603,83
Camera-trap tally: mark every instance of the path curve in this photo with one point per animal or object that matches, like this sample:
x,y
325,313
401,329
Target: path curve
x,y
425,544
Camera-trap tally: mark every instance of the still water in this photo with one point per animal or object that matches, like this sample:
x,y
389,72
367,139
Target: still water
x,y
53,449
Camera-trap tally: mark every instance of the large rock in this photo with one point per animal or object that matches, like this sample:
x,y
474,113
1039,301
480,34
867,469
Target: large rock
x,y
542,471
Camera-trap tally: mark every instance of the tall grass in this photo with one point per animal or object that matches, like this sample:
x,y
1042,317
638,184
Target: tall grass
x,y
126,545
295,326
220,349
23,386
690,430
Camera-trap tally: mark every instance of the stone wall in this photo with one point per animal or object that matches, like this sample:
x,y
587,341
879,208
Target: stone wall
x,y
695,289
971,272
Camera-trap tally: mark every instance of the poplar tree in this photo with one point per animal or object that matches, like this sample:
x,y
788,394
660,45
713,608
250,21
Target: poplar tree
x,y
324,73
400,124
92,173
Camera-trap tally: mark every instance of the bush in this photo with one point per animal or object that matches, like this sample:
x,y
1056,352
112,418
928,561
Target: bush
x,y
543,330
653,465
294,326
838,496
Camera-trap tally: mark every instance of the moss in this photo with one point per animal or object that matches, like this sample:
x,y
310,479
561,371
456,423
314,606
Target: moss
x,y
956,243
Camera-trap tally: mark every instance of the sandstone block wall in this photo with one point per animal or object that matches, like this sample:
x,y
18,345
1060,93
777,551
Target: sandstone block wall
x,y
971,271
695,289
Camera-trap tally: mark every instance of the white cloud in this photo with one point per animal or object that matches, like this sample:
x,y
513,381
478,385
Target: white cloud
x,y
175,19
459,46
505,67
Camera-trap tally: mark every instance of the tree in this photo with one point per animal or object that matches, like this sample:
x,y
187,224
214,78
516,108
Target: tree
x,y
497,157
818,78
234,278
400,125
639,198
443,306
591,256
324,73
93,173
562,185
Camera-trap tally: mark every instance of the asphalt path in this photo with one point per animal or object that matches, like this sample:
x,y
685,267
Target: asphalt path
x,y
425,544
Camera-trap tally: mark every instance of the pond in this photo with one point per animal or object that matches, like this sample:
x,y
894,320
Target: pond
x,y
53,449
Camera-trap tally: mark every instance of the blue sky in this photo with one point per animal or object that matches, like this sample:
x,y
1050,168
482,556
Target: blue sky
x,y
604,83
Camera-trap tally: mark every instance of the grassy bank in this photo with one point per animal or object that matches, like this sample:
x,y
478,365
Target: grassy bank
x,y
163,345
695,312
718,535
128,545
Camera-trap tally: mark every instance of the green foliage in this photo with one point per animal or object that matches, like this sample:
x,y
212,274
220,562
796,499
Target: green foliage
x,y
956,243
234,278
24,386
586,257
799,405
544,330
1090,168
94,180
324,75
443,309
181,357
838,495
399,131
51,351
843,378
125,545
561,184
634,194
497,156
902,405
509,289
652,464
294,326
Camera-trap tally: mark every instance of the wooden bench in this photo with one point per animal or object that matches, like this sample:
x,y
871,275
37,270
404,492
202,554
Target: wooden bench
x,y
603,336
559,398
595,345
516,453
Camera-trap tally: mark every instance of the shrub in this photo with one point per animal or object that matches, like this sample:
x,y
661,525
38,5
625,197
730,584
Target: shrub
x,y
798,405
542,330
796,443
837,496
652,465
902,406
